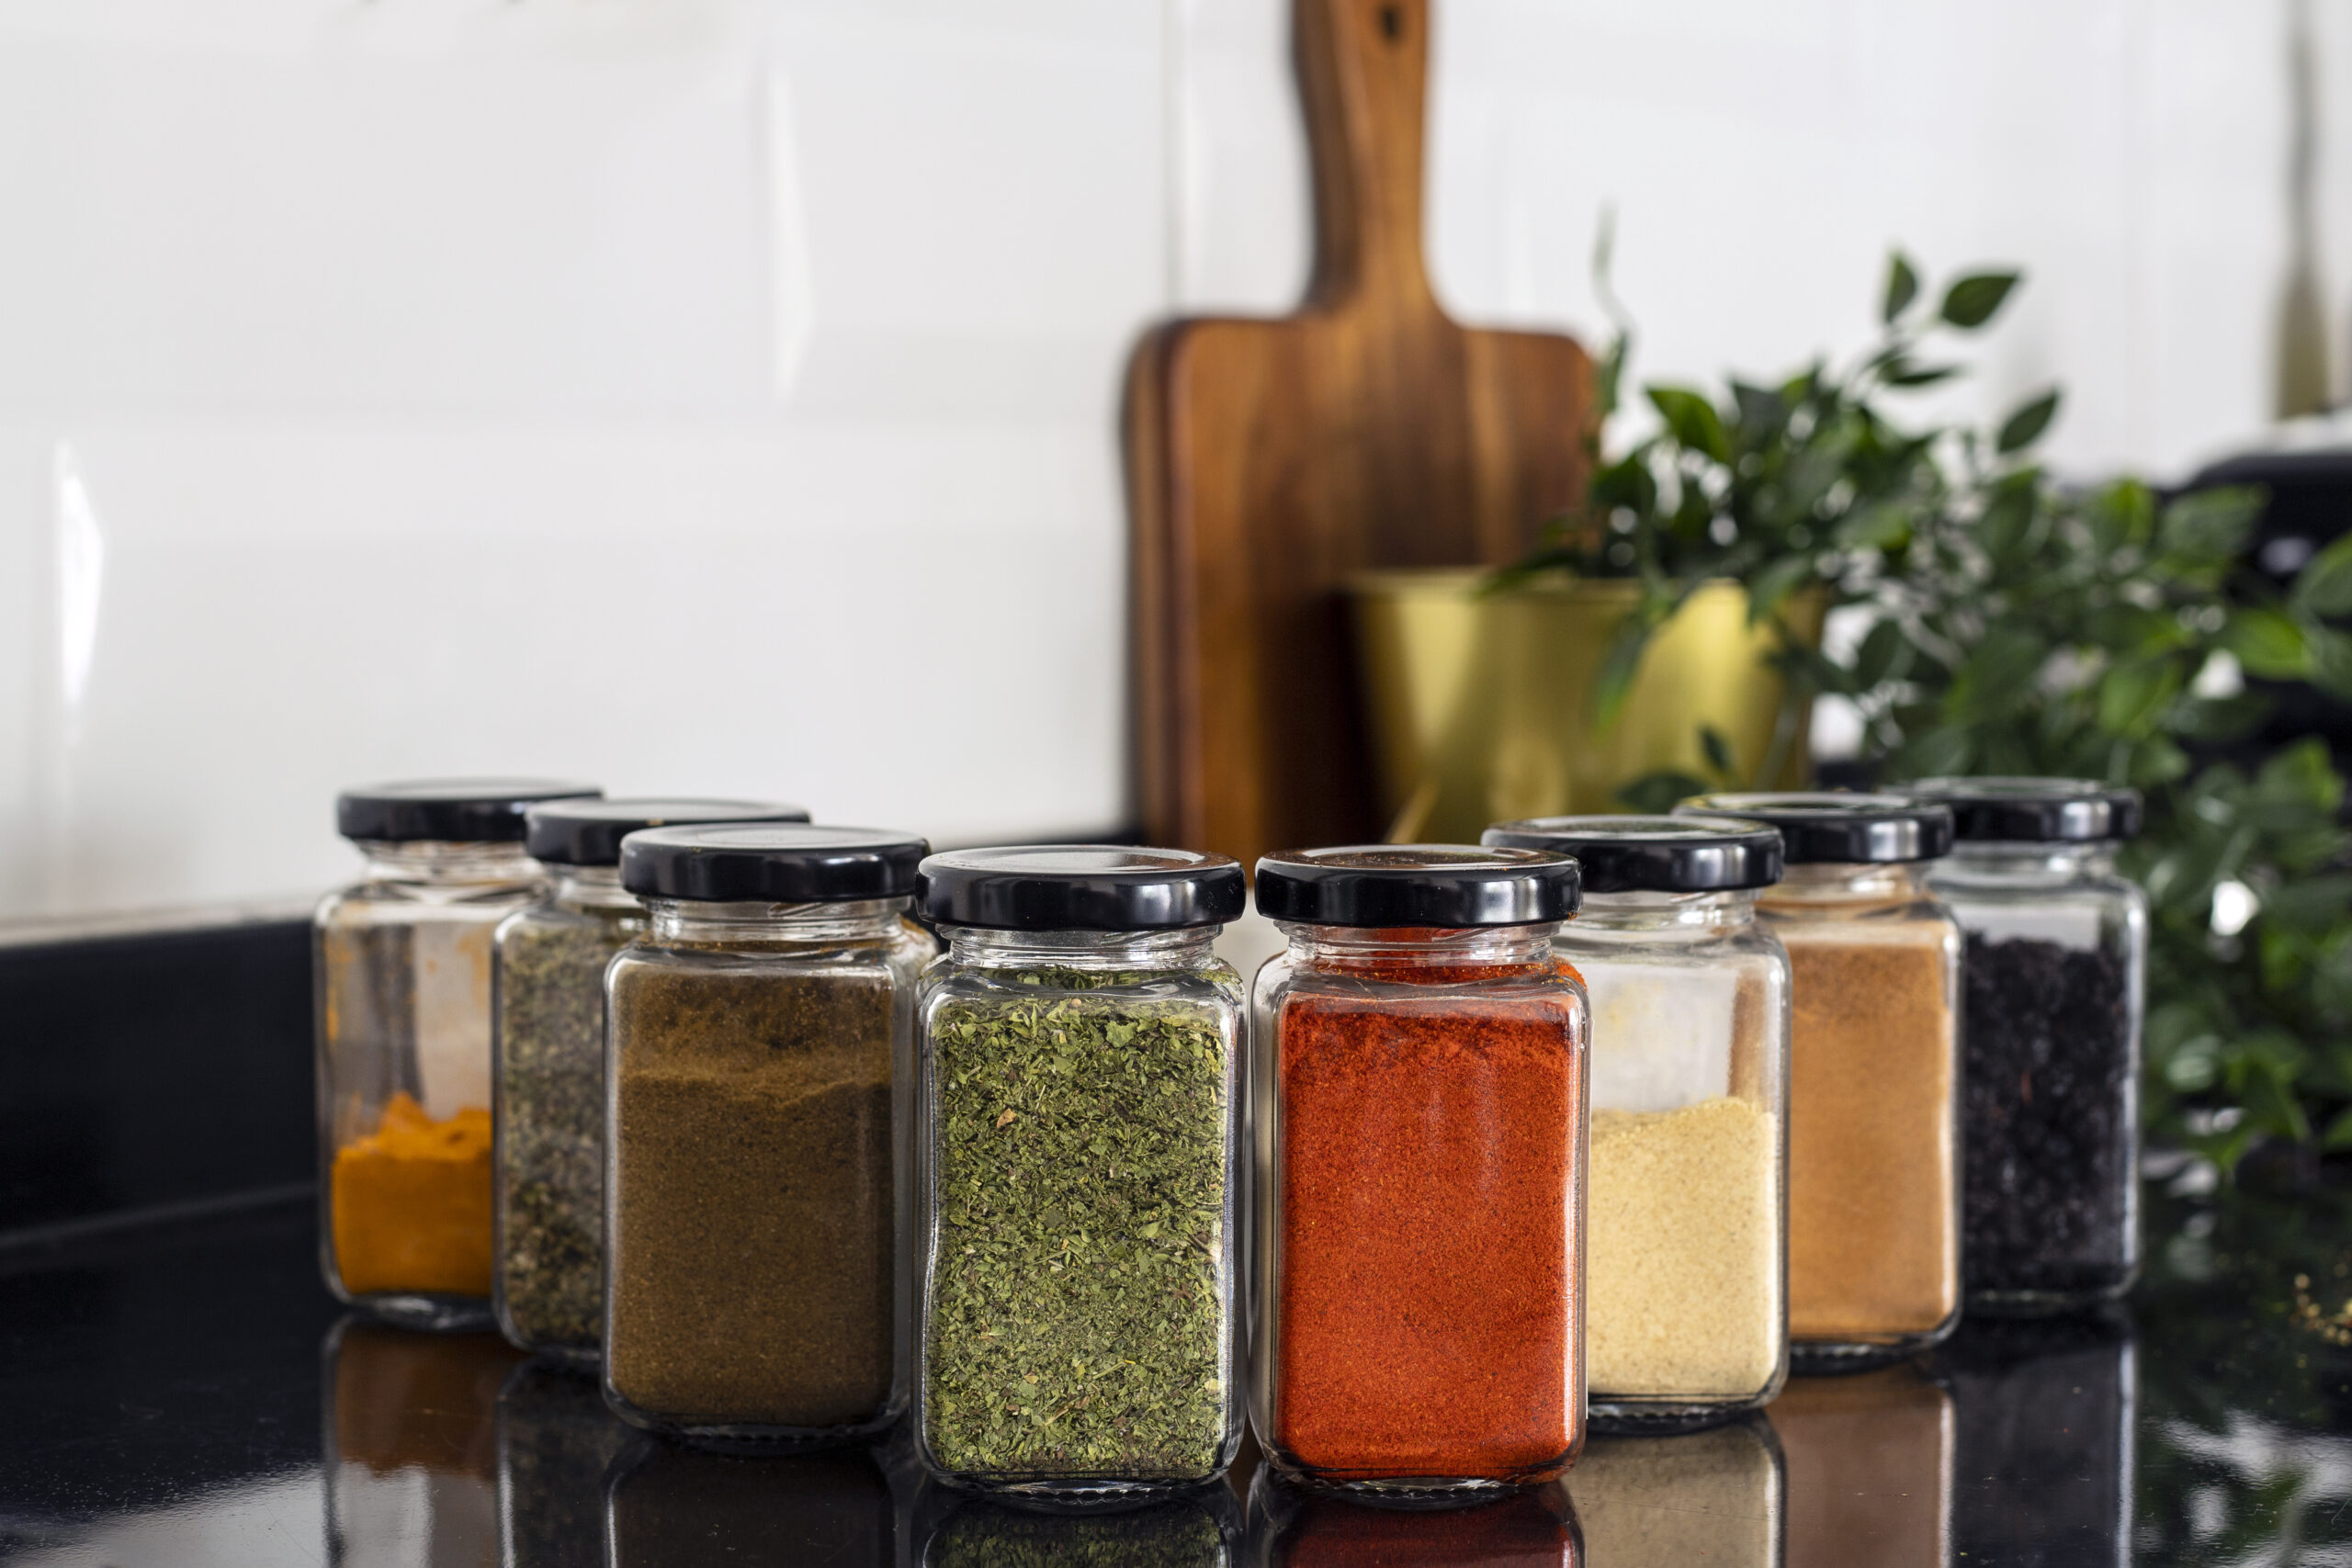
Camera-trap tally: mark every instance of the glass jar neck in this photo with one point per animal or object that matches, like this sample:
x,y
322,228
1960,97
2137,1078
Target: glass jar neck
x,y
692,923
1403,946
1848,882
443,864
594,889
982,948
1665,914
2044,864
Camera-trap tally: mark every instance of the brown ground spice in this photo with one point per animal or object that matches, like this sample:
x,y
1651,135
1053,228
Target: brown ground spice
x,y
1874,1233
752,1233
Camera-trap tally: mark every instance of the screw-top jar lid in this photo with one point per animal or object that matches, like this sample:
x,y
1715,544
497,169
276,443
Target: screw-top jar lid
x,y
2028,810
1654,854
1836,828
1079,887
457,811
589,832
779,863
1418,885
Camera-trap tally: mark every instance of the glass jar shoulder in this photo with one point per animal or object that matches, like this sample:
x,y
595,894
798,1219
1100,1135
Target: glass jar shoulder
x,y
1750,948
546,923
1286,978
2106,904
378,903
1917,917
1209,988
899,955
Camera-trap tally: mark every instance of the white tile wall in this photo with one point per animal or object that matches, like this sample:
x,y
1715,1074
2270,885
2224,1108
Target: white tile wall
x,y
718,395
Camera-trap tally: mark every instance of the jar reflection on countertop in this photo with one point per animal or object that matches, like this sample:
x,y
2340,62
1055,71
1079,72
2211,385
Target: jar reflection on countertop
x,y
556,1440
1295,1526
1419,1075
1873,1071
411,1445
670,1507
404,1022
1685,1254
1717,1496
756,1198
1870,1468
2055,977
547,1043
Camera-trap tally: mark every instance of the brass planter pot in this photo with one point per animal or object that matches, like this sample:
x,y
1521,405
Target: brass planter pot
x,y
1480,709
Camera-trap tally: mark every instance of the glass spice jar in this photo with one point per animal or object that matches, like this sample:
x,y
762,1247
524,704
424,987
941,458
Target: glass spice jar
x,y
1874,1072
1078,1144
1417,1105
402,1028
2055,977
758,1037
1686,1242
547,1046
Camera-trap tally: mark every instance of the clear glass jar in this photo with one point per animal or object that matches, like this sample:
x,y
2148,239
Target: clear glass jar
x,y
1874,1072
1417,1111
1079,1172
403,1018
760,1038
2055,977
548,1044
1685,1246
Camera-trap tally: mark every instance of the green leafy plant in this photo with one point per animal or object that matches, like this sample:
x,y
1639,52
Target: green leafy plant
x,y
2010,624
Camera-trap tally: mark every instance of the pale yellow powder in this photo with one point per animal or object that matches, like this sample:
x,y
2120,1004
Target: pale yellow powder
x,y
1682,1268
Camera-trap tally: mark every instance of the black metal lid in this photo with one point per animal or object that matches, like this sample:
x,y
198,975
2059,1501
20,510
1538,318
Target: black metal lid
x,y
777,862
2027,810
1834,827
457,811
1079,887
1654,854
589,832
1418,885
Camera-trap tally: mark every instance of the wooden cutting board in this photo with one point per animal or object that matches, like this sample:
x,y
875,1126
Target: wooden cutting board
x,y
1271,461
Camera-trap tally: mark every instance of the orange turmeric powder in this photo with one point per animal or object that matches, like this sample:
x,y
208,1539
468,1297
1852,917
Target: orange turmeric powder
x,y
412,1204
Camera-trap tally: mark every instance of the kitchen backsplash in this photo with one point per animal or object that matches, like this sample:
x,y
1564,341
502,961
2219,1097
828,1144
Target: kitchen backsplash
x,y
666,390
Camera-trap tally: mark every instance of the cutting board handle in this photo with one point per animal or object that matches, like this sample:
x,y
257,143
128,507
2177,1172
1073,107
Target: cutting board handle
x,y
1363,76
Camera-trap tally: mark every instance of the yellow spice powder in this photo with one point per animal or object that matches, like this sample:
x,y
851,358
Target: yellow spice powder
x,y
1684,1257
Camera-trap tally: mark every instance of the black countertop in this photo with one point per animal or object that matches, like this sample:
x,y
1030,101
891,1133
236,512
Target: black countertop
x,y
186,1395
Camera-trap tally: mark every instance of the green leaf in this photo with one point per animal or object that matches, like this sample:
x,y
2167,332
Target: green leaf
x,y
2121,513
2267,643
1905,374
1772,586
1971,301
2133,695
1693,421
1883,655
2210,524
1936,753
1718,750
1763,412
1901,288
2339,1132
1657,793
2325,585
2331,653
2025,424
1880,526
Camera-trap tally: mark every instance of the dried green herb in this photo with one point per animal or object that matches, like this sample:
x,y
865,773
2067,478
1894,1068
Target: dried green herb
x,y
552,1122
1078,1321
1178,1534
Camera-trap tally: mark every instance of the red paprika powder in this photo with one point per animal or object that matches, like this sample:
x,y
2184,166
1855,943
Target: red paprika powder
x,y
1422,1232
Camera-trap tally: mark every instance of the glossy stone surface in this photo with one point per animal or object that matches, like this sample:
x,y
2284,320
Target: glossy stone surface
x,y
189,1397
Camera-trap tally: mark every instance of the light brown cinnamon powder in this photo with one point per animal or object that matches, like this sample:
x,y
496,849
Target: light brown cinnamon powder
x,y
1873,1233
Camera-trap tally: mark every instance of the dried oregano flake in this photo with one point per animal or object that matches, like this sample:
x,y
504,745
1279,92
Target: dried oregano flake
x,y
1077,1310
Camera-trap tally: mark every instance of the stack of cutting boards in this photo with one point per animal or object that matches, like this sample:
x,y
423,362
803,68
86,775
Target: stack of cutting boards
x,y
1269,462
